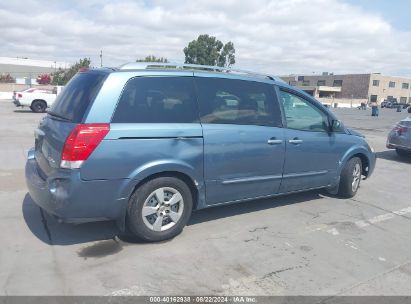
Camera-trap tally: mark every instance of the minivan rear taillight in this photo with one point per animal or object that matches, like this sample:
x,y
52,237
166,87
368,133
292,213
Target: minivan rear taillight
x,y
81,142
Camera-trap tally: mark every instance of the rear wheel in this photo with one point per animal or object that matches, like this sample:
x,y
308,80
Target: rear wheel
x,y
350,178
38,106
159,209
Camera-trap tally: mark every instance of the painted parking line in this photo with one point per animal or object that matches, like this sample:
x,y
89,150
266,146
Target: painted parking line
x,y
382,217
362,223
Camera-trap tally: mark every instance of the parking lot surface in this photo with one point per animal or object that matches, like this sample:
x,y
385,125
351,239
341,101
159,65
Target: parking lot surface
x,y
303,244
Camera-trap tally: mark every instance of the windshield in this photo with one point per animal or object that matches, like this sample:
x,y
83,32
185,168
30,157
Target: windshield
x,y
73,101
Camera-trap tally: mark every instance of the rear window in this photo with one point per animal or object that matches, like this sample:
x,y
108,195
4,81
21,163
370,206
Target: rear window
x,y
74,99
157,100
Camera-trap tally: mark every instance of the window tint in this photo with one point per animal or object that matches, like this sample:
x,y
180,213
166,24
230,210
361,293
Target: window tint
x,y
231,101
302,115
73,101
157,100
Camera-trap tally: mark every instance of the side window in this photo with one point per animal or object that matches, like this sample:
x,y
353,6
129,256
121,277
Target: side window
x,y
157,100
302,115
232,101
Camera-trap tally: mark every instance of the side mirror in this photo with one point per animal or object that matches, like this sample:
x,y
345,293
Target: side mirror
x,y
335,125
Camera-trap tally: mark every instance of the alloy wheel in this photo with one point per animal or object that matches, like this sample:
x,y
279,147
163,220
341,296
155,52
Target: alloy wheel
x,y
162,209
356,174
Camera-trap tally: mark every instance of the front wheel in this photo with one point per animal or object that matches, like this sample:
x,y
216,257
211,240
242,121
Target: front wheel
x,y
159,209
350,178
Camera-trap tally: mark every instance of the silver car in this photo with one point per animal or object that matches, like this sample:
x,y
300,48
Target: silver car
x,y
400,137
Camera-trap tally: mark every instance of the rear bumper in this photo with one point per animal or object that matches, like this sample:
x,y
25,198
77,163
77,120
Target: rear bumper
x,y
398,142
69,198
395,146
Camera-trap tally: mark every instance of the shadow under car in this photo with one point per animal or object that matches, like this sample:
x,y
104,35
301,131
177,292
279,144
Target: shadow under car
x,y
47,229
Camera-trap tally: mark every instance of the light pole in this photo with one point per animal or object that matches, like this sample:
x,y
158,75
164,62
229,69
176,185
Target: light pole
x,y
101,58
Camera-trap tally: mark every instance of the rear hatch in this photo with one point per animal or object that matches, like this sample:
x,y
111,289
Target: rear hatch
x,y
67,111
404,129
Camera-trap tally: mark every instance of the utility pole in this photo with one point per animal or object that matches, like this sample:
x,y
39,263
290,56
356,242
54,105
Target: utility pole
x,y
101,58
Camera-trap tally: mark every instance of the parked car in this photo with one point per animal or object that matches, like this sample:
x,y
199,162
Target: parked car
x,y
399,104
38,100
29,90
387,103
145,146
400,138
393,104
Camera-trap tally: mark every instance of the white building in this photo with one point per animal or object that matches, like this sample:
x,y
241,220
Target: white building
x,y
25,68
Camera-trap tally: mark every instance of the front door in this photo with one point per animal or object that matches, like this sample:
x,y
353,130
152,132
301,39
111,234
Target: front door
x,y
243,139
312,152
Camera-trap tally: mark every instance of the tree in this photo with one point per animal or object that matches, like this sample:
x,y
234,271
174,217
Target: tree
x,y
152,58
57,77
43,79
7,78
208,50
61,77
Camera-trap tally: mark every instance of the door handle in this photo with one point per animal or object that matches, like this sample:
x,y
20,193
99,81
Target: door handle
x,y
274,141
295,141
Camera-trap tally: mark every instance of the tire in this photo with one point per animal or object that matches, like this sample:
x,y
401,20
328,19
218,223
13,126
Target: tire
x,y
409,109
152,197
38,106
403,153
350,178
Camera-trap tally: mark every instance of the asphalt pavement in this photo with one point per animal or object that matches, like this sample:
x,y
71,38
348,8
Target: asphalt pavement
x,y
303,244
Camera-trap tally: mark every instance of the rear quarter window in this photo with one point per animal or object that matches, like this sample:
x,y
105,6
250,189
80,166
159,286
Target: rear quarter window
x,y
75,98
157,100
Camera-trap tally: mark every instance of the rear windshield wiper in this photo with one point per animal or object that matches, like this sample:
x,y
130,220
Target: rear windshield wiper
x,y
59,116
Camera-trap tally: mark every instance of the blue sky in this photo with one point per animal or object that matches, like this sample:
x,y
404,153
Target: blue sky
x,y
273,36
397,12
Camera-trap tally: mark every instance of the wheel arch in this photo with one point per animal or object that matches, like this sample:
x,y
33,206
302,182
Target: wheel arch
x,y
177,174
196,188
365,163
362,154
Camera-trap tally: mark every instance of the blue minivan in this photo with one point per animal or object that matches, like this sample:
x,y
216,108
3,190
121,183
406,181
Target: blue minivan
x,y
145,144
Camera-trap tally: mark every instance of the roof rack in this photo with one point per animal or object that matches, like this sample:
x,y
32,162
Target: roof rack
x,y
185,66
